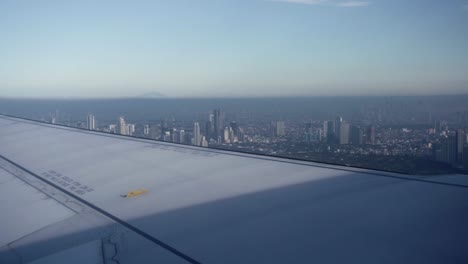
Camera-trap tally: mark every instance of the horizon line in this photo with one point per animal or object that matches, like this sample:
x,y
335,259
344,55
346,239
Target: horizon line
x,y
218,97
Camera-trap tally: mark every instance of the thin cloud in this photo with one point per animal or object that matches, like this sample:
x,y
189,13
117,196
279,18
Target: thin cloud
x,y
354,4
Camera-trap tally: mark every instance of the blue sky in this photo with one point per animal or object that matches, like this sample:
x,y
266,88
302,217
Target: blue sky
x,y
218,48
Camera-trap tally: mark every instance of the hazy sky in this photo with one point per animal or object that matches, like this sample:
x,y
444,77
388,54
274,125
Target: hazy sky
x,y
236,48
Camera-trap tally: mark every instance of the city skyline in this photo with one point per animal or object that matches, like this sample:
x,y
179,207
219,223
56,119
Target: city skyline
x,y
233,48
367,140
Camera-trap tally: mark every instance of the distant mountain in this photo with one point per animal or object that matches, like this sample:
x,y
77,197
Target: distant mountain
x,y
152,95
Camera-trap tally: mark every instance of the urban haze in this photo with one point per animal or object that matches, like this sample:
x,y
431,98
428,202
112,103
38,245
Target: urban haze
x,y
415,135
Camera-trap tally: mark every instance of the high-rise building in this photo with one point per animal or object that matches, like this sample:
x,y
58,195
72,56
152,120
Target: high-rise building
x,y
313,134
370,135
234,126
344,133
226,135
204,143
452,148
196,134
355,135
182,136
308,132
146,130
460,135
338,122
440,152
447,150
218,123
465,157
113,129
152,131
209,128
167,136
325,130
129,129
438,126
174,136
121,127
240,135
280,129
231,135
329,131
164,129
90,122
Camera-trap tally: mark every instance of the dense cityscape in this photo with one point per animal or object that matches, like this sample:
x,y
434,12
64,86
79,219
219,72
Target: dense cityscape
x,y
370,140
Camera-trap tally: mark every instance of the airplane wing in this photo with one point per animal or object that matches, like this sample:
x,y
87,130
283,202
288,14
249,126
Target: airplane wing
x,y
70,195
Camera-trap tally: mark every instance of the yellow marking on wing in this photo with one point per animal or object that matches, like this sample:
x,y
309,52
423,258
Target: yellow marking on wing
x,y
135,193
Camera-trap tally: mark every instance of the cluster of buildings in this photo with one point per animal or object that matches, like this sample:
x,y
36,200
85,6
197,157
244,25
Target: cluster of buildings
x,y
452,147
213,131
446,146
340,132
120,128
277,128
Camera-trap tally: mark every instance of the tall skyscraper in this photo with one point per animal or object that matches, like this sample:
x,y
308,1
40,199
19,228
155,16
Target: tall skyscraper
x,y
226,135
218,123
232,135
121,127
344,133
209,128
440,151
447,150
329,127
452,148
240,135
370,135
280,129
129,129
355,135
174,136
235,128
338,122
90,122
325,130
196,134
164,129
182,136
460,135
